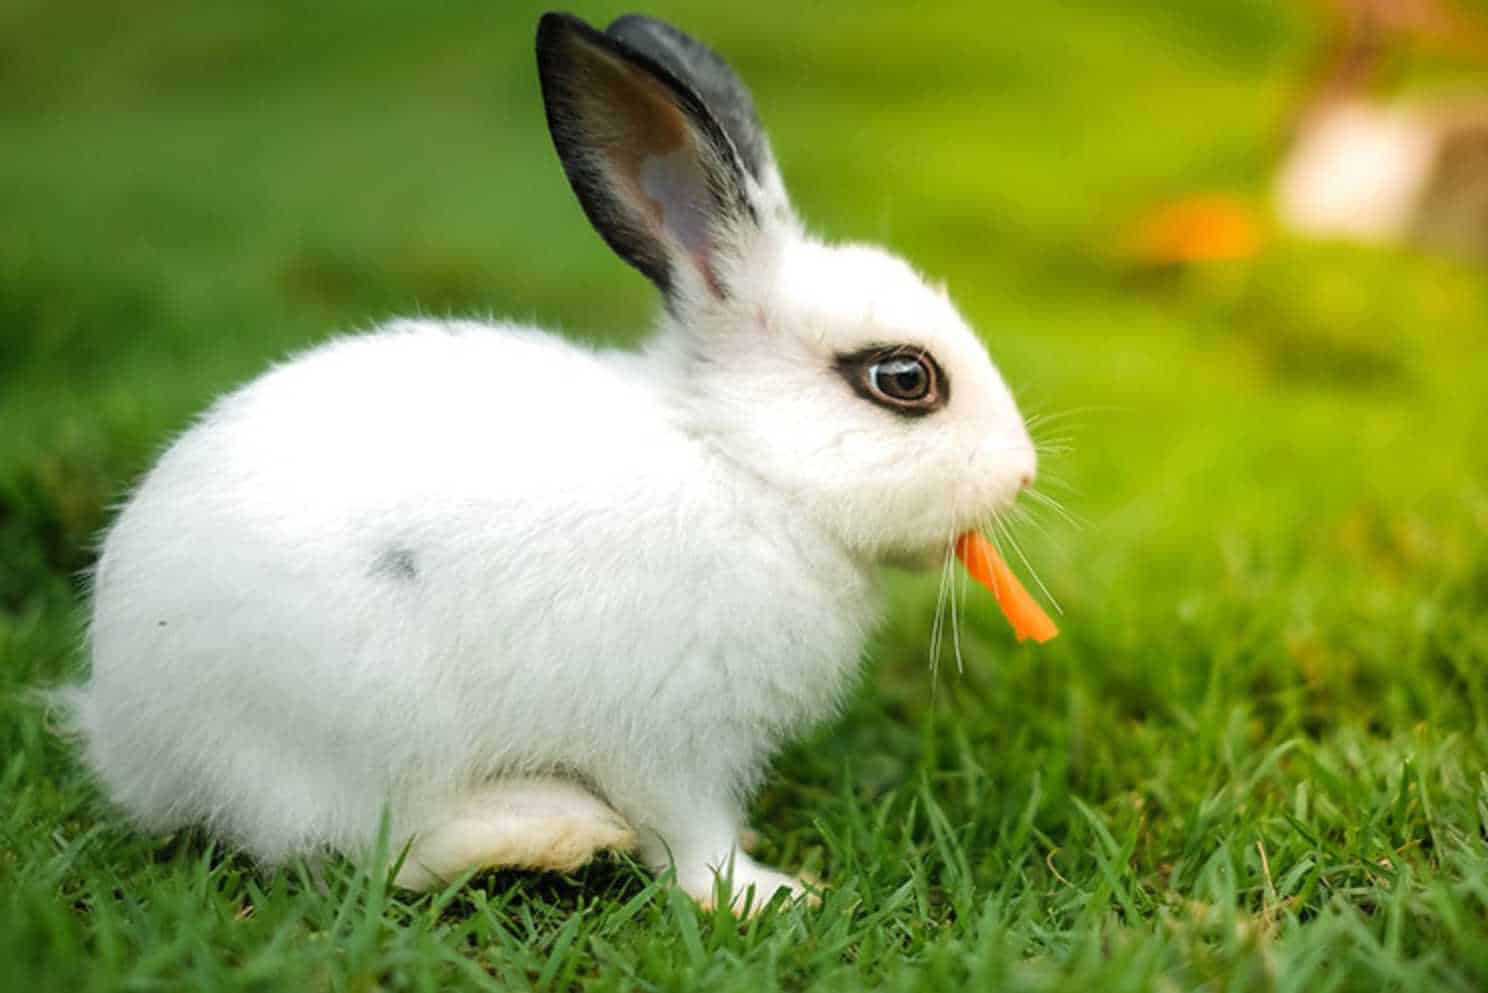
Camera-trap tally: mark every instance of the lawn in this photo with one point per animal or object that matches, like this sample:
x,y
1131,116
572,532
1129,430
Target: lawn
x,y
1257,758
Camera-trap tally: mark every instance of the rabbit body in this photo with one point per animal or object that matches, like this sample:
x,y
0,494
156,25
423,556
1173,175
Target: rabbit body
x,y
395,568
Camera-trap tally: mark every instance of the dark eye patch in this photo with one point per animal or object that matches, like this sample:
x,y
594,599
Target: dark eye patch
x,y
903,379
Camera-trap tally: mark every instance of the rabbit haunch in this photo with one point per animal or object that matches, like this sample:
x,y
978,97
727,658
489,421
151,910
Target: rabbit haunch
x,y
532,599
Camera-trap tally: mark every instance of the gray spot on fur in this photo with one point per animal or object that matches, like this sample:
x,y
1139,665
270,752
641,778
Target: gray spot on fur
x,y
396,562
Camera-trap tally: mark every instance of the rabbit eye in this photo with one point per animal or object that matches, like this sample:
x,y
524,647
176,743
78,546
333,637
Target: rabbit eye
x,y
902,379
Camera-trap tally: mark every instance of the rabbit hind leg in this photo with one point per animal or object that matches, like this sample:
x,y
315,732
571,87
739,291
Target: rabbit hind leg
x,y
532,823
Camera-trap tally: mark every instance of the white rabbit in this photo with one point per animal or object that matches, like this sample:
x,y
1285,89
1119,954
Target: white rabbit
x,y
532,599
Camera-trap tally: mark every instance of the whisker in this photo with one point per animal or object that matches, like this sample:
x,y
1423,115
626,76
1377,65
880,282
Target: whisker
x,y
937,626
965,588
1056,480
1068,516
1012,540
1043,418
1022,512
956,620
992,537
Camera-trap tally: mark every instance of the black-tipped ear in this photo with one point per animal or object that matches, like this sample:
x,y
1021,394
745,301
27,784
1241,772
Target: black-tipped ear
x,y
654,170
710,77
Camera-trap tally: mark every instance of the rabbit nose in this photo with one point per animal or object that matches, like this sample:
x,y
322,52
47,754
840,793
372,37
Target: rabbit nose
x,y
1025,481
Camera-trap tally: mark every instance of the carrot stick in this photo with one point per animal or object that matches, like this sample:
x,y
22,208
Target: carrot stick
x,y
987,567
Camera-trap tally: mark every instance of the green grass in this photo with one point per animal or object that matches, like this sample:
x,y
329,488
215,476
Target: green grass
x,y
1257,759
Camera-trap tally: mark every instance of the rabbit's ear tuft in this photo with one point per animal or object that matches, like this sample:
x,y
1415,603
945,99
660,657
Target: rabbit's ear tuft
x,y
655,171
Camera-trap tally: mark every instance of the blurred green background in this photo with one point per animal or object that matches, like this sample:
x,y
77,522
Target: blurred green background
x,y
1269,699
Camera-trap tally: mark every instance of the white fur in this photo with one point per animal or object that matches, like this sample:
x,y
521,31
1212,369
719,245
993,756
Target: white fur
x,y
409,567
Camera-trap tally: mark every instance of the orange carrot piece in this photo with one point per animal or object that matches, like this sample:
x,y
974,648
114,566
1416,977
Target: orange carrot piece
x,y
987,567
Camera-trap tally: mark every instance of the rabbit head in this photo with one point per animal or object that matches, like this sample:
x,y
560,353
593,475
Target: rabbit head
x,y
834,373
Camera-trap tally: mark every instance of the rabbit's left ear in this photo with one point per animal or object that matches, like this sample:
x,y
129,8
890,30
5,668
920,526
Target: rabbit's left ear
x,y
656,173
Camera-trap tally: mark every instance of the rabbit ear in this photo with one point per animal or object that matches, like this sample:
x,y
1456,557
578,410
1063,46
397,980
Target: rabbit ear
x,y
711,78
654,170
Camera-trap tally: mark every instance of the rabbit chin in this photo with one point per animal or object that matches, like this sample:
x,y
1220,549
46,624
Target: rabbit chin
x,y
922,554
